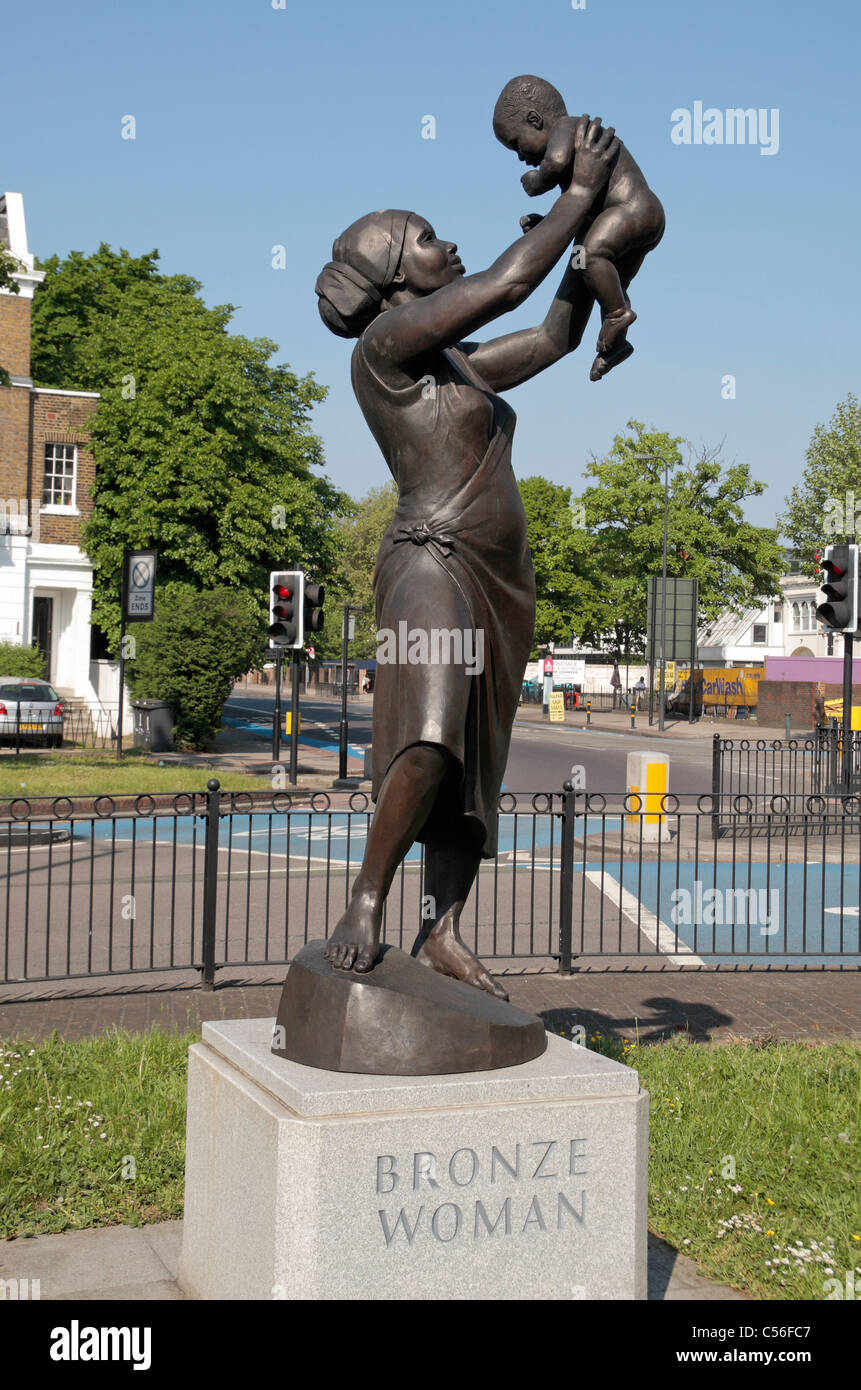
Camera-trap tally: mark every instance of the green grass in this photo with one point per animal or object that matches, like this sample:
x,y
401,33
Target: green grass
x,y
754,1164
99,774
753,1147
78,1118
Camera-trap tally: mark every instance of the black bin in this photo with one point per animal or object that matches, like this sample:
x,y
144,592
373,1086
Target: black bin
x,y
153,725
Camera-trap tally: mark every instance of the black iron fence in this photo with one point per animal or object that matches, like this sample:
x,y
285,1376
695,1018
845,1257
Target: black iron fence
x,y
818,766
651,877
35,727
149,885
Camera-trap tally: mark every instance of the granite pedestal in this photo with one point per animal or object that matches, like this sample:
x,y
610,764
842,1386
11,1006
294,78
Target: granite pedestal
x,y
526,1182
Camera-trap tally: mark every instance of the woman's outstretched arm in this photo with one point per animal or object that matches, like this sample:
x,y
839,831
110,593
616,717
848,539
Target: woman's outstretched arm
x,y
449,314
515,357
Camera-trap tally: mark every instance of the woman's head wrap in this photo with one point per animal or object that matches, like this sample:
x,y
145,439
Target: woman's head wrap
x,y
365,260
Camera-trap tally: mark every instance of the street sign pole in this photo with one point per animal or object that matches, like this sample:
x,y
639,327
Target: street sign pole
x,y
123,605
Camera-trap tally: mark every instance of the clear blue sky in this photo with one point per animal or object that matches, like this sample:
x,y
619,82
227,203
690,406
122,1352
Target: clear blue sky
x,y
259,126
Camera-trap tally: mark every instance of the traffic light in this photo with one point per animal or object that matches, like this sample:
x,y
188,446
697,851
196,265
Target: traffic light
x,y
286,591
840,588
312,608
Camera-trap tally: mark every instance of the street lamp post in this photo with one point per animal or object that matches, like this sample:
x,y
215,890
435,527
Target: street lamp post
x,y
662,658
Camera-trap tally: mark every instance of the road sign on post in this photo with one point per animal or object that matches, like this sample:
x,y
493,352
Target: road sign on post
x,y
137,604
671,633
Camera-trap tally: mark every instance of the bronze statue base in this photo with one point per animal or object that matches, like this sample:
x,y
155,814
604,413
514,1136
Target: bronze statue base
x,y
399,1019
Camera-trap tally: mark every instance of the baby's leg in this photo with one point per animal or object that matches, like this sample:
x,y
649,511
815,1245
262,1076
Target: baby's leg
x,y
608,240
623,236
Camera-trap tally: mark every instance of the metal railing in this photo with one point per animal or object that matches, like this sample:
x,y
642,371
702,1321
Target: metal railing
x,y
795,770
148,885
85,727
201,881
659,882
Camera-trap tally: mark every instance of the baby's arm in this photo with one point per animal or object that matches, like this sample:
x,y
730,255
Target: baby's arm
x,y
557,161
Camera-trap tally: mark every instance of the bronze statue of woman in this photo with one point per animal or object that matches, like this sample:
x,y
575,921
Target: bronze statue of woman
x,y
455,558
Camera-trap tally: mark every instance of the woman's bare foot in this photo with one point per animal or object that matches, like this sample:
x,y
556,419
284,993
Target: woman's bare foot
x,y
444,951
355,942
613,327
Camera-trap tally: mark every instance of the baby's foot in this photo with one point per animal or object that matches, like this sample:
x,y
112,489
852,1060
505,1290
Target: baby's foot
x,y
355,942
612,328
602,365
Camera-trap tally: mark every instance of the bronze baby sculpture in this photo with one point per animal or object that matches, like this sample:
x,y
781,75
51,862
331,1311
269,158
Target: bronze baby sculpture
x,y
627,220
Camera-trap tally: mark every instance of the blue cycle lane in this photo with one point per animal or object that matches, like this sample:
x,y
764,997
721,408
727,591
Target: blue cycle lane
x,y
801,912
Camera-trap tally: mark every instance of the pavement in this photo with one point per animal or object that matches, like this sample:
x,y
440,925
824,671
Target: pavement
x,y
641,1001
619,722
138,1263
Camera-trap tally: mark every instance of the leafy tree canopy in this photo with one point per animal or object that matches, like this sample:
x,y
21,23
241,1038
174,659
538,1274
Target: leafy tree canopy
x,y
818,511
360,535
203,449
708,537
562,555
192,652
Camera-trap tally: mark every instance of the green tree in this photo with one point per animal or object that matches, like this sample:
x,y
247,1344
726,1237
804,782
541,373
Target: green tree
x,y
192,652
562,555
21,661
818,510
359,536
708,537
8,265
202,448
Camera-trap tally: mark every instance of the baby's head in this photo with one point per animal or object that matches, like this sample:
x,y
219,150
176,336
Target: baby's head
x,y
525,111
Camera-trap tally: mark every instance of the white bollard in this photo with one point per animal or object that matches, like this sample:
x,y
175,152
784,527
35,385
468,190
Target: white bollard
x,y
647,780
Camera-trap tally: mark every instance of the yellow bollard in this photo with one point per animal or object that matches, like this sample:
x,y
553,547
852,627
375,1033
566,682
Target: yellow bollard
x,y
648,780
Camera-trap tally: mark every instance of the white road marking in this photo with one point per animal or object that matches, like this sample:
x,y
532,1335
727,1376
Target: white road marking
x,y
648,923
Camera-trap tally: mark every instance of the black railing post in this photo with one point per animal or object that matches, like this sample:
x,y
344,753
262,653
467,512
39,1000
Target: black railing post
x,y
716,780
566,887
210,881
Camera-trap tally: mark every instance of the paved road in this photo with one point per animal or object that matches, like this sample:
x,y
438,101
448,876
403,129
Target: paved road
x,y
541,756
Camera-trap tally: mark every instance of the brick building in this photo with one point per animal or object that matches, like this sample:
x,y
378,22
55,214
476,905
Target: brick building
x,y
46,477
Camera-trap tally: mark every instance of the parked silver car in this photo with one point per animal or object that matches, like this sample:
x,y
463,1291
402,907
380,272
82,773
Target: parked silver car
x,y
30,711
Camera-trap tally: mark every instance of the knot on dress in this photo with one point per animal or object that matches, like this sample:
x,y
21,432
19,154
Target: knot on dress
x,y
427,533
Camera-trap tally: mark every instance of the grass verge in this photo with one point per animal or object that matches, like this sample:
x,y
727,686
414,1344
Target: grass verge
x,y
754,1155
99,774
